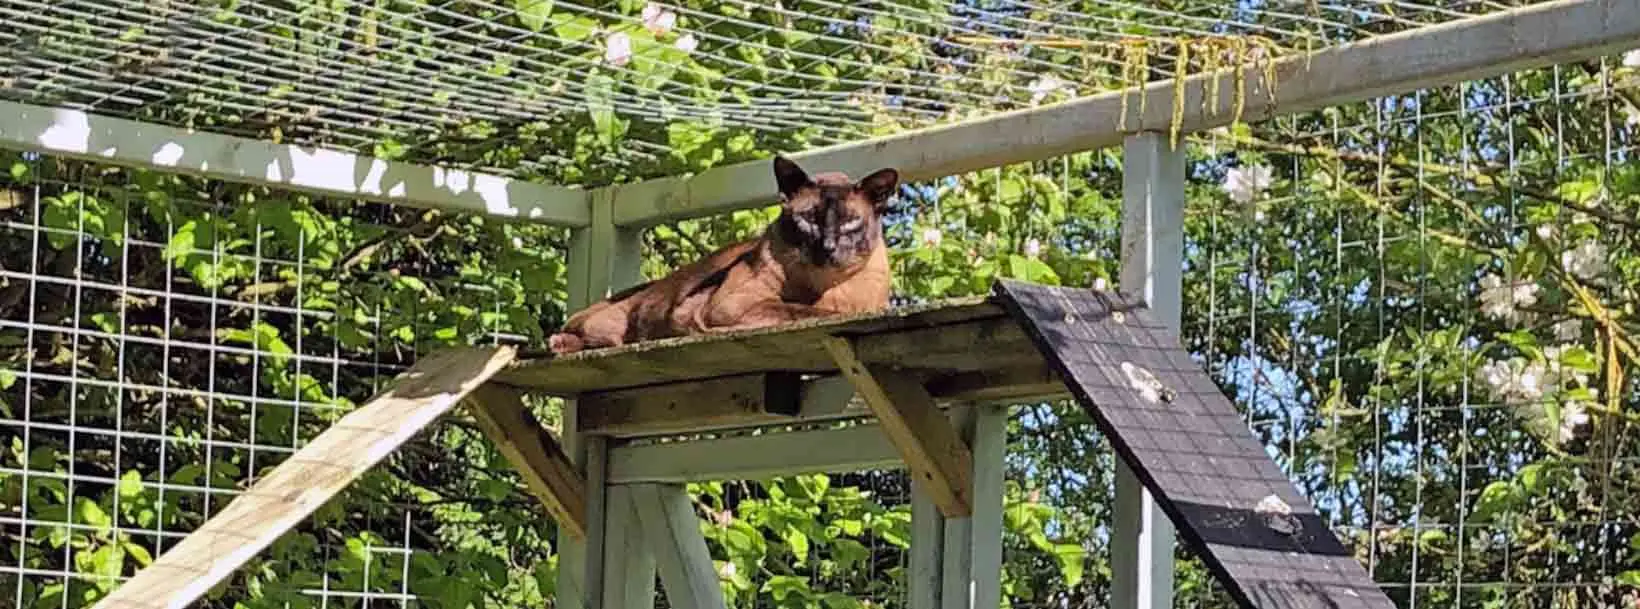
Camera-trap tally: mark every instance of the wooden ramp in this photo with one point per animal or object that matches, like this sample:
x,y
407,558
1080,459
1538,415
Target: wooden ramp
x,y
307,479
1183,438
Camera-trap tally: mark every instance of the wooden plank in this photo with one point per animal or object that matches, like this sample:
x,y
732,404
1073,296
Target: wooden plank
x,y
990,442
331,173
755,457
673,408
1500,43
629,565
927,560
540,461
938,459
823,399
790,348
1168,420
308,479
673,531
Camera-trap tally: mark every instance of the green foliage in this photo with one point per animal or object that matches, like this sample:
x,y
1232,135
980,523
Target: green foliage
x,y
1346,309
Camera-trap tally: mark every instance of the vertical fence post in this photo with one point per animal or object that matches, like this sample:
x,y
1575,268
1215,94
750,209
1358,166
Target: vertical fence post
x,y
602,258
1153,174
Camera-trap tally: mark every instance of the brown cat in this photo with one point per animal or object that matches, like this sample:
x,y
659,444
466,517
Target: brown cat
x,y
823,256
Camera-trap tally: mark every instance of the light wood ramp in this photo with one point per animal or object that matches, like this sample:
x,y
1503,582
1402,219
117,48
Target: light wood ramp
x,y
308,479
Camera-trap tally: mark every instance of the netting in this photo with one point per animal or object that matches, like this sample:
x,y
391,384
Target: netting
x,y
1407,296
448,82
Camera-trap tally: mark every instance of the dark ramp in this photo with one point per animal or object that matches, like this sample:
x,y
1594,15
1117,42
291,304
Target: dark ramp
x,y
1167,419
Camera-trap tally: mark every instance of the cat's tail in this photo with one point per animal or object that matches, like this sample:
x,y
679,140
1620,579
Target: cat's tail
x,y
564,342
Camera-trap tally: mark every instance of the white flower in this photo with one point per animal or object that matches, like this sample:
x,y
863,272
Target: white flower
x,y
1586,261
1568,330
1033,247
1545,231
1245,184
1514,380
727,571
687,43
1631,59
931,237
518,242
618,49
1504,301
1045,86
1631,115
658,19
1099,283
1573,416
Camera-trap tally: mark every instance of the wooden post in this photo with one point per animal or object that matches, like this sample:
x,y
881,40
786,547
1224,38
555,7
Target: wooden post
x,y
602,258
629,565
670,526
1142,537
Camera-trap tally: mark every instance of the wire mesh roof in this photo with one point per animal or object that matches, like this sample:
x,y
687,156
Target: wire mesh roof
x,y
500,85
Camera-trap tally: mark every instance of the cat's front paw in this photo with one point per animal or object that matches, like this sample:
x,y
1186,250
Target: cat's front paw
x,y
562,343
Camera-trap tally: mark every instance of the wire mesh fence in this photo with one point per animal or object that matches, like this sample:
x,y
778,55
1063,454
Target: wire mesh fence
x,y
1410,298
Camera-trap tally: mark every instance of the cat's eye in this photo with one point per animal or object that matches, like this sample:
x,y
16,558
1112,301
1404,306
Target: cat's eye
x,y
853,224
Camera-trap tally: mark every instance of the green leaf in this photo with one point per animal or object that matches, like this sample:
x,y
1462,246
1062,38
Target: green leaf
x,y
783,586
533,13
573,29
1070,557
8,377
1629,578
130,484
88,512
182,242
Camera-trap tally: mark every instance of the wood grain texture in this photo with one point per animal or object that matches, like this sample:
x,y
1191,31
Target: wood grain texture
x,y
1183,439
308,479
917,333
745,399
931,448
539,459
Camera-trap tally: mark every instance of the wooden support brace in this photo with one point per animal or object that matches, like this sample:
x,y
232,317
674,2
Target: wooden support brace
x,y
308,479
671,527
539,459
681,407
936,455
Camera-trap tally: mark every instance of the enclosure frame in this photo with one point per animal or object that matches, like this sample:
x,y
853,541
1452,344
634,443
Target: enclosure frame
x,y
628,492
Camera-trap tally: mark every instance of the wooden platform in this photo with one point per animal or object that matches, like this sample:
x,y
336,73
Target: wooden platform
x,y
1165,416
960,350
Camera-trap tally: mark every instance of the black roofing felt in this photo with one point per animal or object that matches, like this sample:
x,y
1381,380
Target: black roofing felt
x,y
1182,437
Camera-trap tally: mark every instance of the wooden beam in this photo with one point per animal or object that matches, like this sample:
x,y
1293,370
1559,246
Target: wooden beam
x,y
822,399
939,460
1491,45
679,407
331,173
629,565
308,479
539,459
673,531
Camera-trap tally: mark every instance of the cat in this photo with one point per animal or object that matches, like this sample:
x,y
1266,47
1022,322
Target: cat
x,y
824,255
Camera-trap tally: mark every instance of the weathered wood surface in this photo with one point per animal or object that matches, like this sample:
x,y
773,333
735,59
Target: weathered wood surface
x,y
940,463
539,459
743,399
937,336
655,410
1168,420
308,479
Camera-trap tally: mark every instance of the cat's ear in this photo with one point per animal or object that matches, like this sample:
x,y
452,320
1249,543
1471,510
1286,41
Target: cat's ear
x,y
789,177
879,187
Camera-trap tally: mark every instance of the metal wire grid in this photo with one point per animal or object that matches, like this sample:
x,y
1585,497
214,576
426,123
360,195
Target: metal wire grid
x,y
138,400
356,76
1272,287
